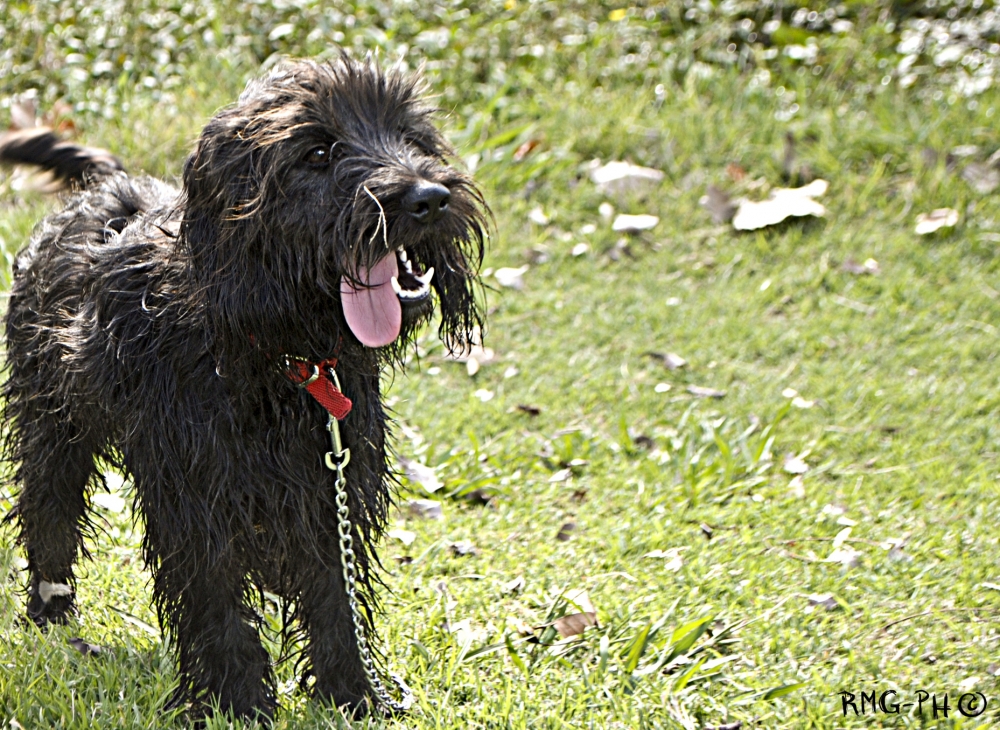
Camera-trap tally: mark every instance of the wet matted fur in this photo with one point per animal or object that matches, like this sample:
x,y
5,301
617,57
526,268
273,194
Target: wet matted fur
x,y
148,325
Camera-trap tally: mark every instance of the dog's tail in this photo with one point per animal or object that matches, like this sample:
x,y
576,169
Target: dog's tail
x,y
70,164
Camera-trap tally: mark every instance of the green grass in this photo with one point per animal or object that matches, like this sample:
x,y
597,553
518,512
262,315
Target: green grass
x,y
901,366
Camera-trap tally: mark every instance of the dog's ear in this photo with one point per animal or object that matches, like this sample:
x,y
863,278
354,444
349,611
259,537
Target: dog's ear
x,y
221,185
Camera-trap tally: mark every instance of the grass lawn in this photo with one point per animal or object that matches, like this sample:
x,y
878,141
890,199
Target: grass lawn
x,y
808,506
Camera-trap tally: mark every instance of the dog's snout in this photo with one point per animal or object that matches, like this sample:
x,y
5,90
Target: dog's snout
x,y
427,201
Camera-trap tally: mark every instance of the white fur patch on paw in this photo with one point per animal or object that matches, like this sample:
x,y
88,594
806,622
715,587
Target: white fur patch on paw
x,y
48,591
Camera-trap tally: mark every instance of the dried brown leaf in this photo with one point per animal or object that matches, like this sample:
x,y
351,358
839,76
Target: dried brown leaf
x,y
526,149
84,647
670,360
735,172
566,531
427,509
719,205
575,624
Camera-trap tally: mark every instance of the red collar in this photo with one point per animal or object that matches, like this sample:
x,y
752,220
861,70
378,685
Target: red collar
x,y
320,380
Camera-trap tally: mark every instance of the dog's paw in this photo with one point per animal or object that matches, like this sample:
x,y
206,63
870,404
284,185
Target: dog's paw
x,y
50,603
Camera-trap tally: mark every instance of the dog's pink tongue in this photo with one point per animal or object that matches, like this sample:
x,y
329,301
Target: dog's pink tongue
x,y
373,312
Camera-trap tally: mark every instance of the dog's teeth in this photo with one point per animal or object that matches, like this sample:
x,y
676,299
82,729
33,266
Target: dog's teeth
x,y
426,278
402,254
396,287
409,267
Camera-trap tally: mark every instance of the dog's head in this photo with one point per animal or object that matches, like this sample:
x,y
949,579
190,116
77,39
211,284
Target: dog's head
x,y
325,208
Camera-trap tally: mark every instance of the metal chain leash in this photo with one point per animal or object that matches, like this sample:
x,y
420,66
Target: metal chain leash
x,y
336,460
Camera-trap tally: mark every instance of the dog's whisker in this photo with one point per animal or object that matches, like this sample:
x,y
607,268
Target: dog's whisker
x,y
382,222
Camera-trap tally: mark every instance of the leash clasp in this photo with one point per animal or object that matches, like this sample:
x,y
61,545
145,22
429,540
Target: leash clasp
x,y
338,457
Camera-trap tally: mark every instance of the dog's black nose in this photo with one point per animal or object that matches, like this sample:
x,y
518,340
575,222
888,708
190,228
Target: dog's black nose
x,y
427,201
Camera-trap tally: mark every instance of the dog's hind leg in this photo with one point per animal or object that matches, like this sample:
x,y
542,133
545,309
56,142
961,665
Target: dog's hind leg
x,y
55,466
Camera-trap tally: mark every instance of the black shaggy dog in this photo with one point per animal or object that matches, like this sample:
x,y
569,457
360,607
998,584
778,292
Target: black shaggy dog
x,y
195,337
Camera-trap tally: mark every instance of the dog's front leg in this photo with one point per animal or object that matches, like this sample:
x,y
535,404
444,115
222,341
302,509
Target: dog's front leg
x,y
202,600
332,644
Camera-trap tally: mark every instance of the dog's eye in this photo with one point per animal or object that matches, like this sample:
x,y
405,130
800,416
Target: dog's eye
x,y
318,156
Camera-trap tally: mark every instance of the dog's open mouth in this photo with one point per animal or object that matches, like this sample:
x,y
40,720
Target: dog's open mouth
x,y
394,289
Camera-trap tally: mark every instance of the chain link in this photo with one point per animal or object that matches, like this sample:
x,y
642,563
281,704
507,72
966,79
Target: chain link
x,y
336,460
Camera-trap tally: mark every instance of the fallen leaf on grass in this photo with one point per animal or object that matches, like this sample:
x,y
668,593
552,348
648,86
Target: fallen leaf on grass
x,y
735,172
824,600
511,278
530,410
623,177
783,203
427,509
718,204
846,556
566,531
538,217
797,400
936,220
580,249
514,586
526,149
634,223
475,355
561,476
575,623
644,442
479,496
672,556
421,474
669,360
465,634
964,150
797,487
484,395
463,549
702,392
795,465
404,536
84,647
24,114
983,178
870,266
